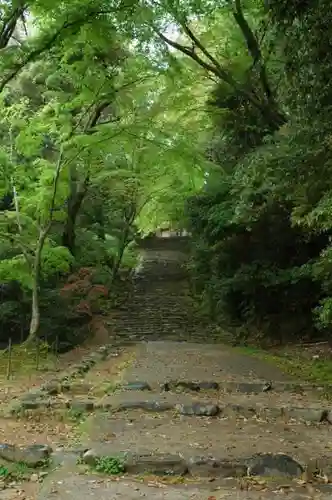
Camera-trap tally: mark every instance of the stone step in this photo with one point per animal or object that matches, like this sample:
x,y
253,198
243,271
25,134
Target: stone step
x,y
199,466
292,391
222,439
184,404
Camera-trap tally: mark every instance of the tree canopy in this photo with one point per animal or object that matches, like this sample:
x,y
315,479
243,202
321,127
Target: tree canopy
x,y
119,117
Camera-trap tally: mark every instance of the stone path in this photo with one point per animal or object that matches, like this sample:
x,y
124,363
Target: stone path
x,y
168,419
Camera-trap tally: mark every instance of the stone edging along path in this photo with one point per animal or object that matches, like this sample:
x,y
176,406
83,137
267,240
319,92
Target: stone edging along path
x,y
45,397
258,465
36,398
194,409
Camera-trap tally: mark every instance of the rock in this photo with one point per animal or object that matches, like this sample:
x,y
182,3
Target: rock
x,y
212,467
267,387
33,455
84,405
33,395
34,404
209,386
198,409
9,452
327,416
65,386
192,386
137,386
156,406
159,464
273,465
90,457
250,388
34,478
197,386
314,415
52,388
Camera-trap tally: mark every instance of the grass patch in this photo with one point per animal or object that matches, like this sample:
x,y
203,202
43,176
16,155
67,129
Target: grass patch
x,y
19,471
22,360
316,371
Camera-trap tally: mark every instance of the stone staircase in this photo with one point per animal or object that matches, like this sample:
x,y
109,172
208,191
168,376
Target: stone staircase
x,y
159,305
165,418
196,421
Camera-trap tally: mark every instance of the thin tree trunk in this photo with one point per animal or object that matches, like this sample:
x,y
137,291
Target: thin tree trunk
x,y
74,206
35,309
36,265
123,245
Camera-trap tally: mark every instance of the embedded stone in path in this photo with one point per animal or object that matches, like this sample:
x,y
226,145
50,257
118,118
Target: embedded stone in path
x,y
271,465
254,388
213,467
159,464
138,463
52,387
82,405
198,409
33,455
274,466
146,405
137,386
191,386
315,415
32,403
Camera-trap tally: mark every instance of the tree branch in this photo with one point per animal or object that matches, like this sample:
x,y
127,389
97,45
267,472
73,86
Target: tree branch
x,y
253,47
9,24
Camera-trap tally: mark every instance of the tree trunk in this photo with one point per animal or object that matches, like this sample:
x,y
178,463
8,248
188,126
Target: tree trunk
x,y
123,245
74,205
35,310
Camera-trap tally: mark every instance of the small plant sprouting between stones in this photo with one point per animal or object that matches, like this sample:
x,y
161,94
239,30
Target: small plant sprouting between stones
x,y
17,471
20,471
4,472
110,389
110,465
75,415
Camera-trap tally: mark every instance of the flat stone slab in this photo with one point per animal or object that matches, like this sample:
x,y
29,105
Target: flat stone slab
x,y
136,463
274,465
271,465
137,386
200,466
33,455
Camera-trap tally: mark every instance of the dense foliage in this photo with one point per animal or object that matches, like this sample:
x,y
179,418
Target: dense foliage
x,y
263,226
120,117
